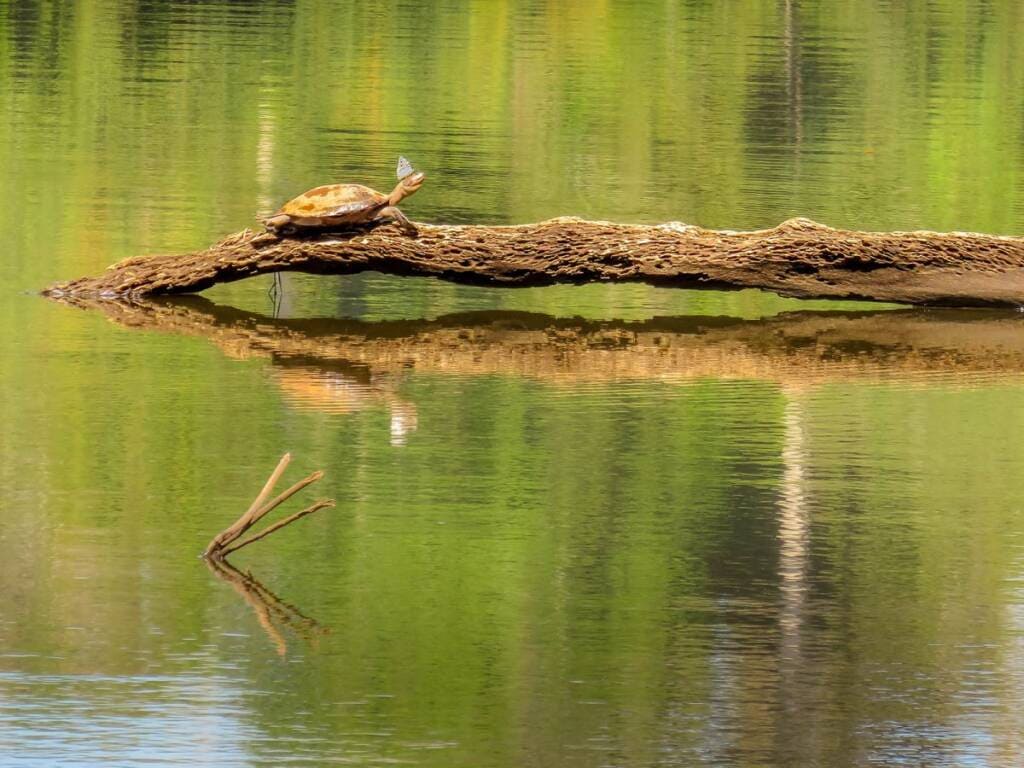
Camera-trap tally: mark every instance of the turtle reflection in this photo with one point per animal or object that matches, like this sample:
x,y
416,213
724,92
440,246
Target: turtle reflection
x,y
341,390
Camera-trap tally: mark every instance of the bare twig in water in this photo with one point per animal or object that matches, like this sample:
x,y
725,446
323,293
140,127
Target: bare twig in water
x,y
322,504
263,511
243,523
218,548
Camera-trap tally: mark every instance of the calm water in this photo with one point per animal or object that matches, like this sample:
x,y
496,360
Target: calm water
x,y
593,526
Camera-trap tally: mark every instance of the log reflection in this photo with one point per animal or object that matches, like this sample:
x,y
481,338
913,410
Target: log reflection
x,y
343,365
273,614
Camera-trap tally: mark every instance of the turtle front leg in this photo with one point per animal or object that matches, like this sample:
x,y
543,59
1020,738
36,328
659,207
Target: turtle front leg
x,y
392,212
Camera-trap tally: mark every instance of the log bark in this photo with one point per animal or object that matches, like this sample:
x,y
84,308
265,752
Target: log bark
x,y
798,258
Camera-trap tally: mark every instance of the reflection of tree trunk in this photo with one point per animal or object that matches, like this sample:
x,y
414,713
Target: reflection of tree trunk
x,y
264,180
794,78
270,610
793,570
793,531
797,258
265,159
793,524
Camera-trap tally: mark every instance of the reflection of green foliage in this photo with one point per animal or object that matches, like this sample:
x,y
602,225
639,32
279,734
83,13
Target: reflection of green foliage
x,y
541,567
623,536
166,124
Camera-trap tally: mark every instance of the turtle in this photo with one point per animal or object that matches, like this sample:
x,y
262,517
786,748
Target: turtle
x,y
336,206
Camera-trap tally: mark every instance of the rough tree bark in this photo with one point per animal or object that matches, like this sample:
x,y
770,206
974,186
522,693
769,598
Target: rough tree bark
x,y
798,258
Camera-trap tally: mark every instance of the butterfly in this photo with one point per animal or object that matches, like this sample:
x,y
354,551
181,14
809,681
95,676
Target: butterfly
x,y
404,168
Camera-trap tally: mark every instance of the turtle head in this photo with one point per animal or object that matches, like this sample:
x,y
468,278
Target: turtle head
x,y
409,180
412,183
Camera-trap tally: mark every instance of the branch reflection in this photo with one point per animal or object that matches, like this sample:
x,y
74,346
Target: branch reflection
x,y
273,614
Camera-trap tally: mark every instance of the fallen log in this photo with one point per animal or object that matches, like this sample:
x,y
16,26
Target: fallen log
x,y
798,258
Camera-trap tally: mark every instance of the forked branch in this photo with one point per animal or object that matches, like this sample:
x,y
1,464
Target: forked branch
x,y
220,546
322,504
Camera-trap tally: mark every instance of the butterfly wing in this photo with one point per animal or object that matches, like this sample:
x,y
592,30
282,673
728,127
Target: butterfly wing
x,y
404,168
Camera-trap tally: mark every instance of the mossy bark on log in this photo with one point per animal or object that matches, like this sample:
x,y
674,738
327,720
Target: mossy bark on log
x,y
798,258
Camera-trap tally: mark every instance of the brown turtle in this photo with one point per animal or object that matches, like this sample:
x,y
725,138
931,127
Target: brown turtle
x,y
335,206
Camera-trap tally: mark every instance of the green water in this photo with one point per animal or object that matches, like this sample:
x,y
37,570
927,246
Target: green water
x,y
584,526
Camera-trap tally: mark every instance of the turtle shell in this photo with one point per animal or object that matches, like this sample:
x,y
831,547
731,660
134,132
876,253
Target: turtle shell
x,y
335,204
